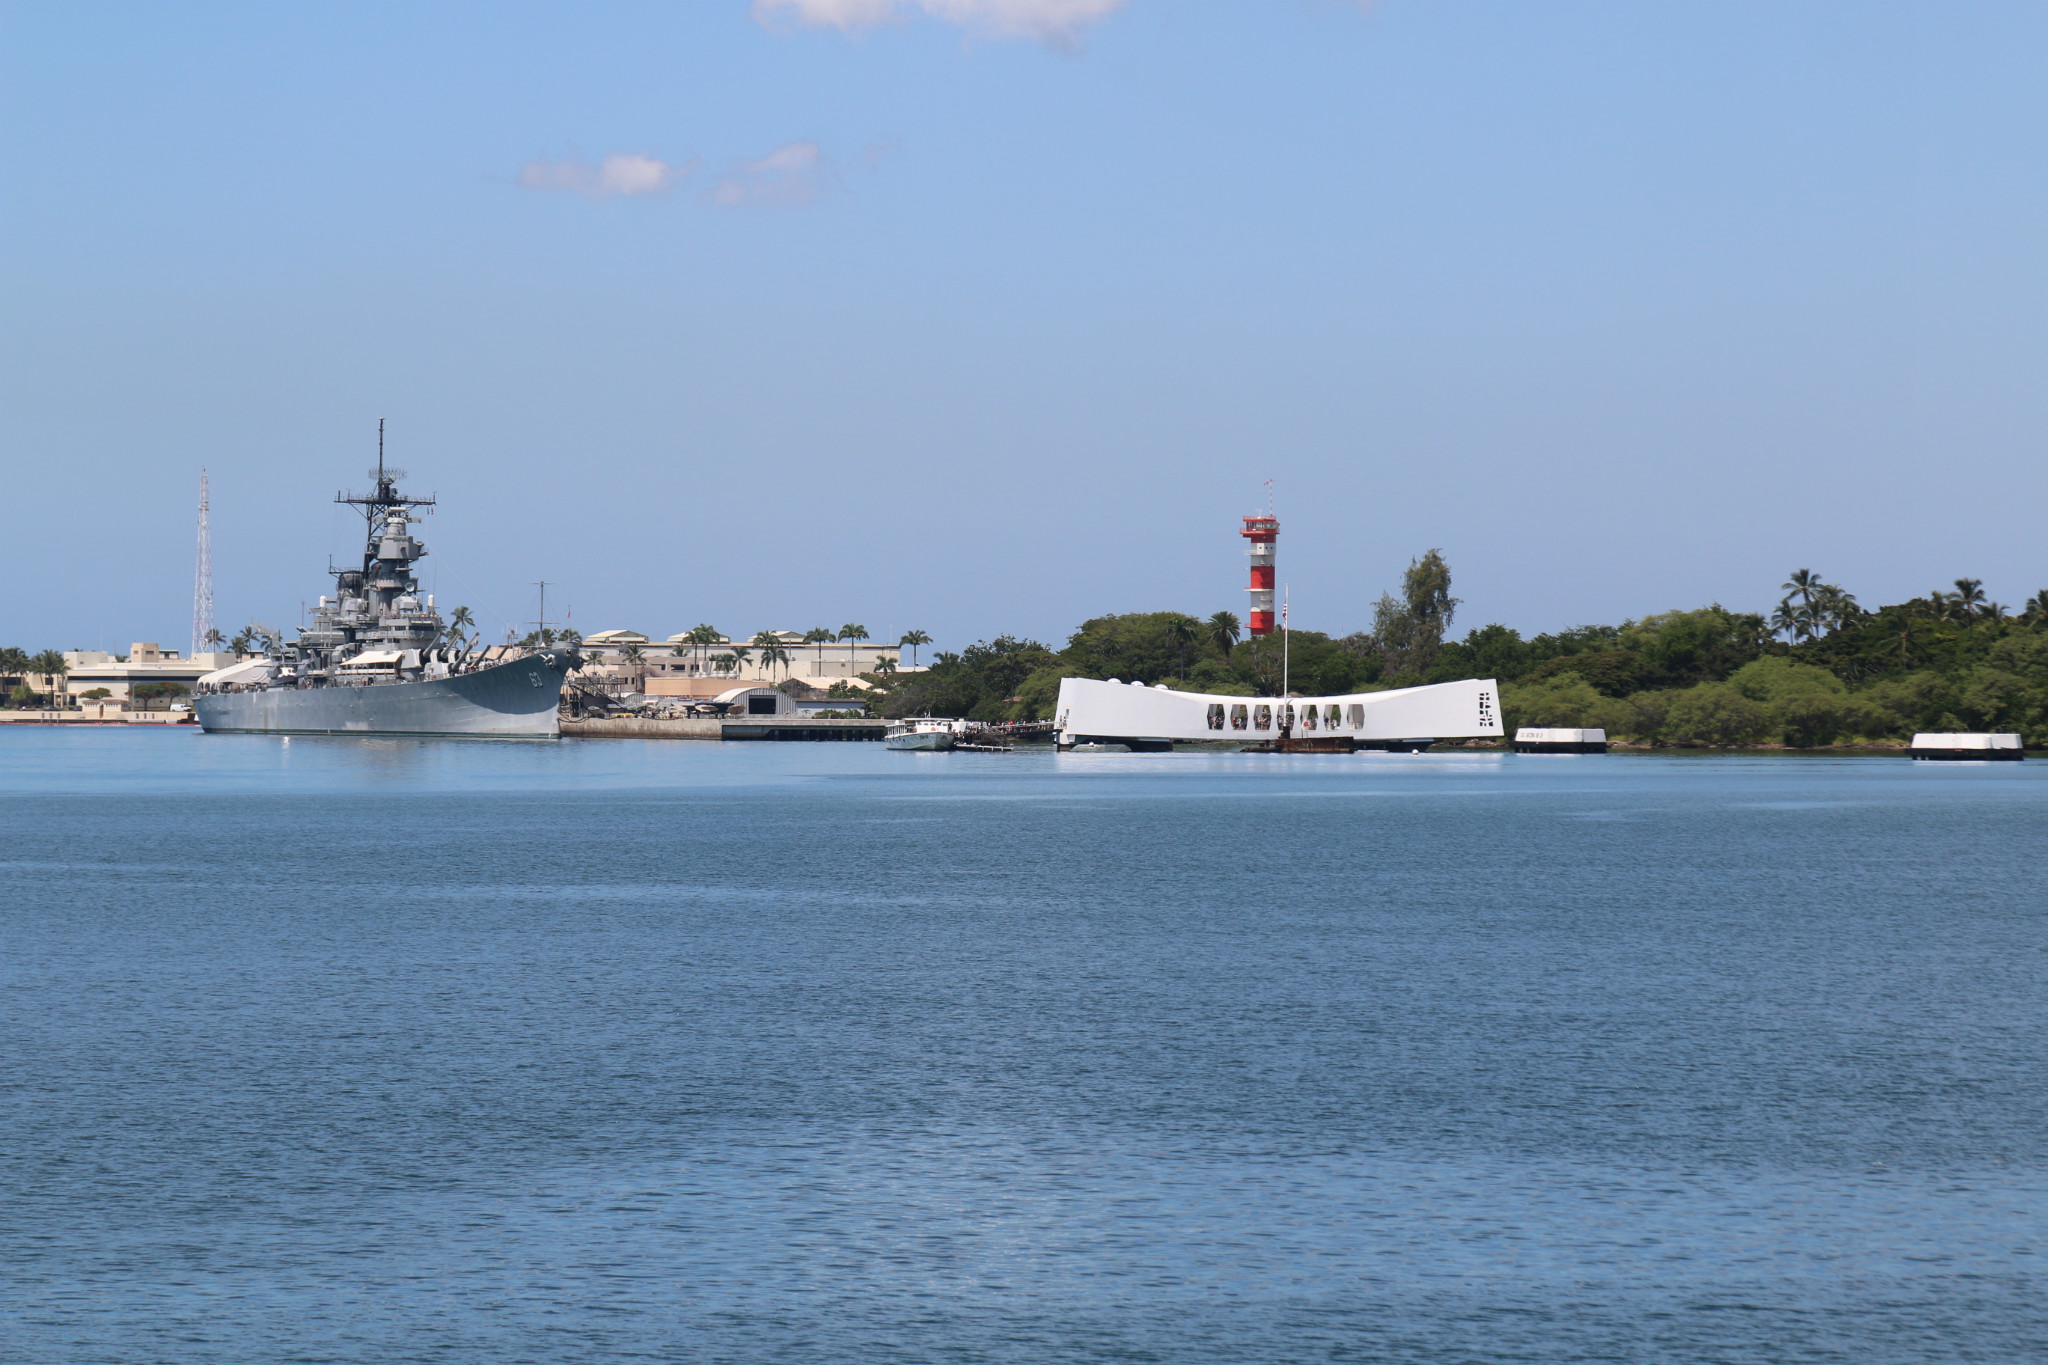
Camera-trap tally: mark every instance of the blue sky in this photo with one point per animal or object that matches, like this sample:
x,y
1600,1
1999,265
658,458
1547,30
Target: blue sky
x,y
990,315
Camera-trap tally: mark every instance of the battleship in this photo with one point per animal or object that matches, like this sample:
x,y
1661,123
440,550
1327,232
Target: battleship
x,y
377,658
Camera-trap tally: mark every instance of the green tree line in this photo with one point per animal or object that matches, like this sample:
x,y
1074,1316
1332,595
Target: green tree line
x,y
1821,670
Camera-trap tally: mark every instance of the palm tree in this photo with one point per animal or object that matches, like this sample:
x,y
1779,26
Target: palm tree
x,y
741,656
1183,631
51,664
633,657
1803,584
851,634
819,636
1223,630
1969,599
772,652
914,638
2035,612
1906,638
703,635
459,623
1801,622
722,663
14,666
1822,606
1834,607
213,639
883,666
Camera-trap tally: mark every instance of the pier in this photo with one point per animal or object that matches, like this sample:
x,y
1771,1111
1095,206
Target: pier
x,y
720,728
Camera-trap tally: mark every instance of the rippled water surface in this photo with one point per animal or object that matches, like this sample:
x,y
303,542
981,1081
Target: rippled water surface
x,y
623,1050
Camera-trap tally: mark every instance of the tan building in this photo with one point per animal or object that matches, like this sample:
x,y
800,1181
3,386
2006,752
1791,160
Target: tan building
x,y
145,662
670,662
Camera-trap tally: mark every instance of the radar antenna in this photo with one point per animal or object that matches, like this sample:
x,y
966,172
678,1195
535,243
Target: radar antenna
x,y
202,581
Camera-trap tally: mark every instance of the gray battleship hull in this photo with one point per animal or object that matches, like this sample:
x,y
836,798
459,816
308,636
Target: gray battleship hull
x,y
516,700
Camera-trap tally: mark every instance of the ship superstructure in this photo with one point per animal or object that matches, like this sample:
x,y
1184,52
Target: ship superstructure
x,y
375,658
376,620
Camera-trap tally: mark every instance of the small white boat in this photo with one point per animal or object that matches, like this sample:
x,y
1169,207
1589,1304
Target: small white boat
x,y
922,732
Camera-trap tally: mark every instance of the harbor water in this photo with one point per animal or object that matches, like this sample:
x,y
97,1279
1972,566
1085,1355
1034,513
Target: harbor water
x,y
617,1050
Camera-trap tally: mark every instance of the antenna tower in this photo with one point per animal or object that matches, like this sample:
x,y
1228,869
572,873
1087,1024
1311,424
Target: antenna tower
x,y
202,582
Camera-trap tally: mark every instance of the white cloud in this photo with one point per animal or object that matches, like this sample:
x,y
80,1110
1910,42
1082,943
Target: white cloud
x,y
618,175
794,173
1056,23
844,15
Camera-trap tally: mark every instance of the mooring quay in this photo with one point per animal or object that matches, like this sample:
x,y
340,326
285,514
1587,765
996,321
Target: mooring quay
x,y
738,728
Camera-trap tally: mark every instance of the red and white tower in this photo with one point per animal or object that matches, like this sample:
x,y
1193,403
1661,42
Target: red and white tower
x,y
1260,532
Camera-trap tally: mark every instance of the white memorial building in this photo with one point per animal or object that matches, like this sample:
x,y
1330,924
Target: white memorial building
x,y
1095,712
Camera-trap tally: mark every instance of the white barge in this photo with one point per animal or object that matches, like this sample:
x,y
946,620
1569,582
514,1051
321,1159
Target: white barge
x,y
1978,748
1531,739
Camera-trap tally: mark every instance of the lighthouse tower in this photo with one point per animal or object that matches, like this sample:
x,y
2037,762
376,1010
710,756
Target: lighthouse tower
x,y
1260,532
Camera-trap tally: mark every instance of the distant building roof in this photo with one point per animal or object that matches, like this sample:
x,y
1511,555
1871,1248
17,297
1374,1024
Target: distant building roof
x,y
616,637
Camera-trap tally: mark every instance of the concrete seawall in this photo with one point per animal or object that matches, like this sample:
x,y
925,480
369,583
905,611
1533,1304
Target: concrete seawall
x,y
750,728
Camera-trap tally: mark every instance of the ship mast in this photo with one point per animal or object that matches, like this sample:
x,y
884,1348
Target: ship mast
x,y
202,581
376,506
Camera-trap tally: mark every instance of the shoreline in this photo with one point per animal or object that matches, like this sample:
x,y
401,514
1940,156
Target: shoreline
x,y
675,730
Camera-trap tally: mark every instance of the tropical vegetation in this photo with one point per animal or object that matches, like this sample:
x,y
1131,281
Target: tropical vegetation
x,y
1818,670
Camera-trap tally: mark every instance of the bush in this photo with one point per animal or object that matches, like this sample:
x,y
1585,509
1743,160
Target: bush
x,y
1993,699
1613,672
1808,720
1913,702
1643,714
1215,676
1564,699
1039,693
1775,678
1715,715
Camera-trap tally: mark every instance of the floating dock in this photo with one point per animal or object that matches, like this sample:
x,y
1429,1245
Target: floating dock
x,y
1536,740
1968,748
